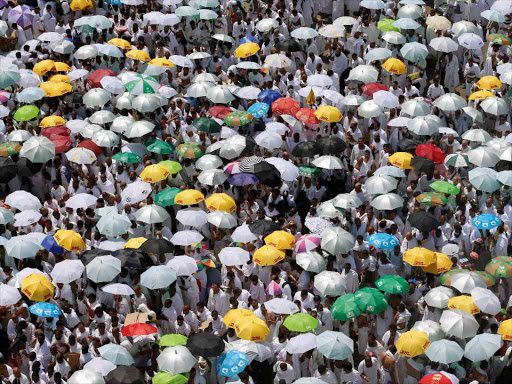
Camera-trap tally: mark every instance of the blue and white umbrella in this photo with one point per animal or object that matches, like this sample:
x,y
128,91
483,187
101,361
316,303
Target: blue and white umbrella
x,y
258,110
50,244
249,39
45,310
231,363
383,241
486,221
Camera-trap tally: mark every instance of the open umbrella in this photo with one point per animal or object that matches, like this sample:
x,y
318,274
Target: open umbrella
x,y
158,277
444,351
458,323
205,345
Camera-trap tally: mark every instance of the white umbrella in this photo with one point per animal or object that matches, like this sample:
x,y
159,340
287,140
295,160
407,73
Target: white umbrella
x,y
96,97
212,177
336,240
139,128
465,282
22,247
121,123
118,289
67,271
385,99
185,238
151,214
486,300
422,127
86,52
233,256
378,54
27,217
352,100
332,31
304,33
222,219
505,177
183,265
335,345
377,185
482,347
483,157
495,106
158,277
322,81
394,37
330,283
85,376
176,360
136,192
255,351
438,297
450,102
193,217
208,162
459,323
181,61
17,135
301,343
345,20
369,109
102,117
100,365
328,162
347,201
63,47
470,41
30,95
199,89
311,261
249,93
220,95
6,216
266,25
415,107
81,200
23,201
268,140
110,50
281,306
146,103
113,85
477,134
364,73
103,269
205,77
431,328
373,4
288,170
105,139
243,234
50,37
387,202
8,295
38,149
444,352
89,130
390,170
227,38
113,225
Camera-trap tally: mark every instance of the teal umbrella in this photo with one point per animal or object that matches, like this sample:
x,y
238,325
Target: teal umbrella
x,y
9,75
345,307
484,179
127,157
161,147
414,52
334,345
166,197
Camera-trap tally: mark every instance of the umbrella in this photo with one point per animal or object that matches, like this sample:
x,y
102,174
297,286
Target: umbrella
x,y
21,247
482,347
103,269
423,221
45,310
306,149
334,345
412,343
419,257
38,149
431,328
37,287
328,162
329,283
345,307
231,363
100,365
176,360
114,225
311,261
369,109
450,102
385,99
125,375
505,330
383,241
414,52
392,284
466,282
222,219
486,221
336,241
430,152
483,157
116,354
26,218
444,352
67,271
387,202
301,343
194,217
486,301
86,377
205,345
118,289
494,106
484,179
252,329
377,54
231,256
268,255
9,295
464,303
364,73
158,277
380,184
21,15
281,306
183,265
438,22
458,323
500,266
489,83
300,322
151,214
401,160
172,340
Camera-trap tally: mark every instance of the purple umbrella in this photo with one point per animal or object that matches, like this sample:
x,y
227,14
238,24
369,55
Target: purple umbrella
x,y
21,15
240,179
3,3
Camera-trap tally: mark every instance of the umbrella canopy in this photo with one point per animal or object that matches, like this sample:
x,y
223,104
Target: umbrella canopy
x,y
444,351
158,277
205,345
458,323
125,374
482,347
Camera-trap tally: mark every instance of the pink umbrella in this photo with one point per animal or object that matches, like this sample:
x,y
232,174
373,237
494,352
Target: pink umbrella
x,y
307,243
232,168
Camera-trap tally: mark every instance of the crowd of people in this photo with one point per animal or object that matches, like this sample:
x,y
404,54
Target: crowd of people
x,y
213,191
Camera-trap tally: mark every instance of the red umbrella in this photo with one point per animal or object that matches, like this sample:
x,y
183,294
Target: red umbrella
x,y
431,152
220,111
439,378
307,116
60,130
285,106
62,143
91,145
370,88
95,77
138,329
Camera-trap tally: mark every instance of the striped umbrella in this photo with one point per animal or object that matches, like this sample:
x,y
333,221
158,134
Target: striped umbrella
x,y
247,164
142,84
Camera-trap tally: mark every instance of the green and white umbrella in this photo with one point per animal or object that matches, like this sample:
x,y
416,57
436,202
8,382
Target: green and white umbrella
x,y
9,75
457,160
142,84
38,149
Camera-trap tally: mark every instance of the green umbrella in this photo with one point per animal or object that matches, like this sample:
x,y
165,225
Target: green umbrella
x,y
371,300
142,84
168,378
161,147
431,198
500,266
345,307
166,197
204,124
393,284
26,113
300,322
308,171
445,187
9,149
172,166
127,157
172,340
189,150
386,25
238,118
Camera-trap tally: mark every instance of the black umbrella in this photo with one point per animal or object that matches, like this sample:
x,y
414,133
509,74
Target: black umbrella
x,y
264,227
331,145
157,246
248,163
125,374
267,174
27,168
423,221
132,258
90,255
288,45
8,169
422,164
306,149
205,345
408,145
250,144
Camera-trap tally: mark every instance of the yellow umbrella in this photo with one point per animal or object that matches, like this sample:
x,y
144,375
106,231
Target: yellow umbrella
x,y
37,287
394,66
60,79
280,240
246,50
438,22
137,54
328,114
120,43
253,329
161,62
81,5
505,330
55,89
311,99
401,160
52,121
412,343
43,67
69,240
442,264
489,82
464,303
188,197
135,242
221,202
154,173
235,316
268,255
61,67
481,95
419,257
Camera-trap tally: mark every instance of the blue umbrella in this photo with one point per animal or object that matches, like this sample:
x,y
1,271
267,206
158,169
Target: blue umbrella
x,y
486,221
231,363
249,39
240,179
383,241
45,310
269,96
50,244
258,110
